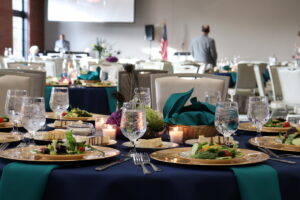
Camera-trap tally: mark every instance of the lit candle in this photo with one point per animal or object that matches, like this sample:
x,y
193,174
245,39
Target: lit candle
x,y
109,130
176,134
99,123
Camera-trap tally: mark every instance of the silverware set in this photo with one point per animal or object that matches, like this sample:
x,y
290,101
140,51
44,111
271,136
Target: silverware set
x,y
277,157
143,159
3,146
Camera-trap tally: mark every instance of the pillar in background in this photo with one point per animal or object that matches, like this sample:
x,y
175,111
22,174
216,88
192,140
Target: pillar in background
x,y
36,23
5,25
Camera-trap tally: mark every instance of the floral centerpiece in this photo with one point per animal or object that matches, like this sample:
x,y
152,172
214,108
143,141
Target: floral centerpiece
x,y
105,51
100,47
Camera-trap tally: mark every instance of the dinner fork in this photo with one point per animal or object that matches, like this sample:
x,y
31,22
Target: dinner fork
x,y
146,159
265,150
3,146
137,160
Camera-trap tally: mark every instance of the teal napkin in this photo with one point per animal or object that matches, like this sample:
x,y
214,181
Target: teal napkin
x,y
48,91
198,113
226,68
258,182
91,75
24,181
233,77
112,102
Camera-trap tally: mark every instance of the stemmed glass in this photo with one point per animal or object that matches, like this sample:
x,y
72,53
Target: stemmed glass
x,y
59,100
13,107
212,97
133,122
142,94
258,112
33,115
227,119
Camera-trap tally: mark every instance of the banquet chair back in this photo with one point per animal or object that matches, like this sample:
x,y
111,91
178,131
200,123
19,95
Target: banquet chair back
x,y
26,66
37,80
11,82
139,78
275,82
259,69
185,67
290,81
246,82
163,85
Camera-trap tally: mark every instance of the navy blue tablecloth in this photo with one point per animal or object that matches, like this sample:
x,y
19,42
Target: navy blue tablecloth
x,y
80,181
93,99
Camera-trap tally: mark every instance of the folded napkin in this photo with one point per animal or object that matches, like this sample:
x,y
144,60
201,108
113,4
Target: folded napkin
x,y
24,181
91,75
198,113
233,77
112,102
226,68
257,182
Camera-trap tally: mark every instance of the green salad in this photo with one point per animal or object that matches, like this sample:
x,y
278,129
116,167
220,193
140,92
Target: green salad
x,y
291,137
76,112
205,150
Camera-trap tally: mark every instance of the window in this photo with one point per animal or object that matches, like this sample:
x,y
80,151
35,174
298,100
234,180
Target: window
x,y
20,28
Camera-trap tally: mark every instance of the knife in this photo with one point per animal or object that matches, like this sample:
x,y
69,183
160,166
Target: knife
x,y
103,167
283,161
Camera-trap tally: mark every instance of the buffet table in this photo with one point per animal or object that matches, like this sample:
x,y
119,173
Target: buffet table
x,y
79,180
93,99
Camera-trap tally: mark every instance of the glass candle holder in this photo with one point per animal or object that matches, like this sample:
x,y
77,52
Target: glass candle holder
x,y
109,130
176,134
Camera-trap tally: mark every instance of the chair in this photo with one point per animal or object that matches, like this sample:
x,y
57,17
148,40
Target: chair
x,y
185,67
259,69
11,82
246,82
37,80
26,66
275,83
139,78
163,85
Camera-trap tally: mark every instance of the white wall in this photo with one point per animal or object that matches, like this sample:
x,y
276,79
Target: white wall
x,y
252,29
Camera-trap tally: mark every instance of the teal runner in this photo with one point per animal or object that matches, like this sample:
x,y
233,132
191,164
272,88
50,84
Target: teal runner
x,y
48,91
112,102
233,77
24,181
259,182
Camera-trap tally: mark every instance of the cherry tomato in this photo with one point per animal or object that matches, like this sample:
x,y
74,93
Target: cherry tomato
x,y
227,153
1,119
286,124
64,113
81,149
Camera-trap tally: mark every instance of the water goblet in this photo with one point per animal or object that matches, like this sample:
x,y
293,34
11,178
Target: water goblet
x,y
142,94
133,122
59,100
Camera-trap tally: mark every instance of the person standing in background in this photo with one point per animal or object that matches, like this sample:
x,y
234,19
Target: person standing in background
x,y
62,45
203,48
296,55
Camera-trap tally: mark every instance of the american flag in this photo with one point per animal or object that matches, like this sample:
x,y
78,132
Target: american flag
x,y
164,44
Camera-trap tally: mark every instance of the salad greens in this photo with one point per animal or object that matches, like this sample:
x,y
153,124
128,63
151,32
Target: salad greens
x,y
76,112
291,137
214,151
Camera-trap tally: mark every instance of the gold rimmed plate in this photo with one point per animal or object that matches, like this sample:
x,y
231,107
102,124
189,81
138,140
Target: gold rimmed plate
x,y
27,154
52,115
249,127
181,156
273,142
165,145
8,137
7,125
97,86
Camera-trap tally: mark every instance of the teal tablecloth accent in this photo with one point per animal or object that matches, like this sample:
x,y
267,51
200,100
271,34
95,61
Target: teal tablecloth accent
x,y
91,75
112,102
198,113
22,181
48,90
259,182
233,76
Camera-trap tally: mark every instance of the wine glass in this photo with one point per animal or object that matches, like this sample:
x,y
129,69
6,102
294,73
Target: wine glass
x,y
258,112
142,94
59,100
12,107
227,119
33,115
133,122
212,97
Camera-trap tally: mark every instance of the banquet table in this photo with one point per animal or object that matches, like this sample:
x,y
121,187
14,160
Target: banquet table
x,y
93,99
79,181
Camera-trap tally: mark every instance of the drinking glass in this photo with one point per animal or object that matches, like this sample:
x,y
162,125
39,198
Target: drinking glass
x,y
12,107
212,97
258,112
227,119
33,115
59,100
142,95
133,122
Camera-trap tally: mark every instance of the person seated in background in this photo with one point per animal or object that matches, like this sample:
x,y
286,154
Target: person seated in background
x,y
203,48
62,45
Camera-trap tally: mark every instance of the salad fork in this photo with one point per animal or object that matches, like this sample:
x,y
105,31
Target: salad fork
x,y
147,160
137,160
275,158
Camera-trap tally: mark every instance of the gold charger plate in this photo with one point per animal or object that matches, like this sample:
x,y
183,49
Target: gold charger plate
x,y
52,115
191,141
8,125
273,142
179,156
8,137
26,154
249,127
94,85
165,145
